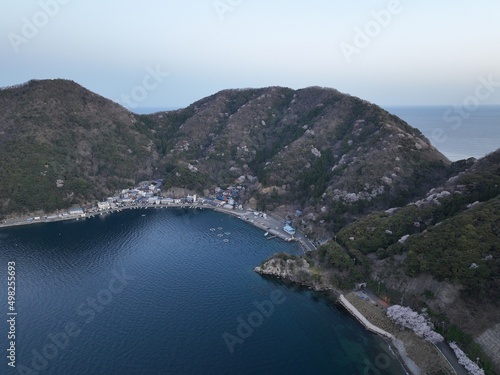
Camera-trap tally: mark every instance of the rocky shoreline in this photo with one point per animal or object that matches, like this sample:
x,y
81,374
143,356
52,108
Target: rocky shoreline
x,y
296,270
415,354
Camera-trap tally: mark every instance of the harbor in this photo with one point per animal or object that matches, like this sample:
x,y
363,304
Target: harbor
x,y
148,195
268,224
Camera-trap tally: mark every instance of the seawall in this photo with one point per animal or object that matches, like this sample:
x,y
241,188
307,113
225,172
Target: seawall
x,y
344,302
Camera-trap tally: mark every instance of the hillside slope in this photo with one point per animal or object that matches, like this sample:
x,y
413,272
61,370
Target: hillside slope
x,y
328,154
57,130
441,252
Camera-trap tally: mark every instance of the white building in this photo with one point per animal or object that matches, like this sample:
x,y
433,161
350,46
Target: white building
x,y
76,211
103,206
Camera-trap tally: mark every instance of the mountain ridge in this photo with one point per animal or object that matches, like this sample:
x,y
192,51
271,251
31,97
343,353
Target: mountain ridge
x,y
295,142
331,163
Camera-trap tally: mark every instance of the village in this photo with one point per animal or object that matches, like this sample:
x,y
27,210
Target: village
x,y
149,194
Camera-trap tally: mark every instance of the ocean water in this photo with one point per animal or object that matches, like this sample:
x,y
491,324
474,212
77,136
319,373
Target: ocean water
x,y
165,291
457,133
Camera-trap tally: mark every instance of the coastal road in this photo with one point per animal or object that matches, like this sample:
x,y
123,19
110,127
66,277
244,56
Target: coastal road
x,y
306,242
268,223
443,347
273,225
449,354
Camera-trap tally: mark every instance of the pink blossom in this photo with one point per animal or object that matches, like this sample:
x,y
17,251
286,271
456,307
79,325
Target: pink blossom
x,y
408,318
469,365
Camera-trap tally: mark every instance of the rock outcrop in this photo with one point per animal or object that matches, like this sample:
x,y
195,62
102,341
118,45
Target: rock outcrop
x,y
299,271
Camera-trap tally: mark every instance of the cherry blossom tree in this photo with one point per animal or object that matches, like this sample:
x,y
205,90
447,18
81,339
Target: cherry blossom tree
x,y
469,365
408,318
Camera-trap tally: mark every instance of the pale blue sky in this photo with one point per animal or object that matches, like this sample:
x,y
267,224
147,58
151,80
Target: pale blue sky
x,y
418,52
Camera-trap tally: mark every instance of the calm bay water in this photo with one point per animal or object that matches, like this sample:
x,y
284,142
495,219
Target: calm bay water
x,y
154,292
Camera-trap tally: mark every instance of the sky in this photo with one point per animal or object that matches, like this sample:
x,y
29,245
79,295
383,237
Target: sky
x,y
168,54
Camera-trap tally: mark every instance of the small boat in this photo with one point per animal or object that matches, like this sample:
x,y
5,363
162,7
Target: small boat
x,y
265,234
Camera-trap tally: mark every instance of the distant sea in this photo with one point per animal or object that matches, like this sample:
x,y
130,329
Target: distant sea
x,y
457,134
170,291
